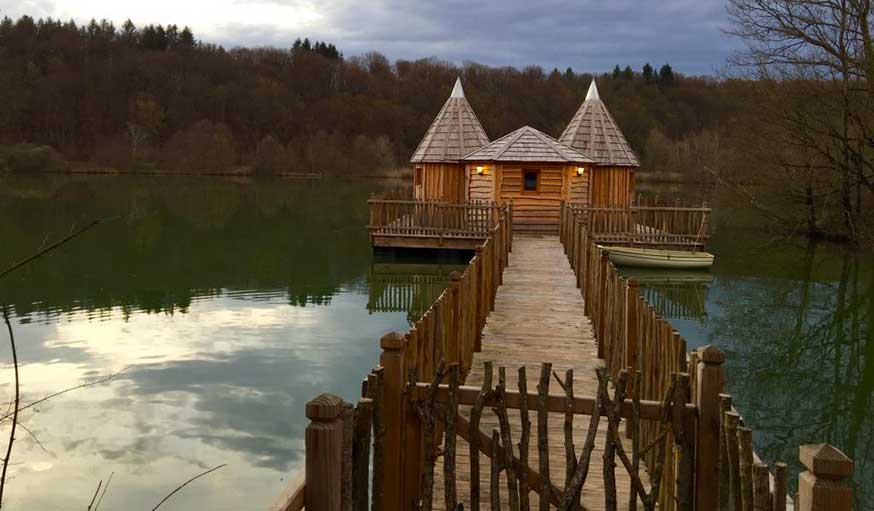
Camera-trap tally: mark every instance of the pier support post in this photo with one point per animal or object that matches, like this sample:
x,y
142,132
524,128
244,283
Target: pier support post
x,y
324,453
710,384
393,408
825,483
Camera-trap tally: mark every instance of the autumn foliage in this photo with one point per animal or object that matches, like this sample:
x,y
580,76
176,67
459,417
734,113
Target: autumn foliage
x,y
153,97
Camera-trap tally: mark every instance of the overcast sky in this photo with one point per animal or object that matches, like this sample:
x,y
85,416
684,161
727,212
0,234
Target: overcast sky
x,y
584,34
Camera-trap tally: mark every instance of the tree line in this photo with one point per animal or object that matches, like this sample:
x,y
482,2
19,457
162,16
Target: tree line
x,y
156,98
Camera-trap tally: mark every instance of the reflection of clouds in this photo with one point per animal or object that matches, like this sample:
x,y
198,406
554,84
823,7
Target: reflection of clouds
x,y
224,383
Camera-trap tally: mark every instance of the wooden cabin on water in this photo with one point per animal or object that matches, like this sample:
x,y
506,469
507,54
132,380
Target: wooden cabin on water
x,y
591,164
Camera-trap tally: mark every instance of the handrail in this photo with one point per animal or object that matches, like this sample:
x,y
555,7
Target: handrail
x,y
632,335
391,215
675,227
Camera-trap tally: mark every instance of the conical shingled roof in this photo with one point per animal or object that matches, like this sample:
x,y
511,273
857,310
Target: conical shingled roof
x,y
528,144
455,131
593,131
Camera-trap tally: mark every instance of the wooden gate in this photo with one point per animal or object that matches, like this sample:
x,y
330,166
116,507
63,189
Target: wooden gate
x,y
519,484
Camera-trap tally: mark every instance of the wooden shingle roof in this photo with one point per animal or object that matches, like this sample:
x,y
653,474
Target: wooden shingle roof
x,y
528,144
593,131
455,131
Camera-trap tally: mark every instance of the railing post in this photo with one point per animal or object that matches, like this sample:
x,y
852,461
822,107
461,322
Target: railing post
x,y
824,485
324,453
602,304
392,362
710,384
453,346
478,299
412,425
632,292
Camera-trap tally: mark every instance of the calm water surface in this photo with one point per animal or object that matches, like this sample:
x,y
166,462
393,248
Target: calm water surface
x,y
230,304
796,322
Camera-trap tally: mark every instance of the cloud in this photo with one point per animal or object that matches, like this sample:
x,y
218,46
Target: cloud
x,y
586,35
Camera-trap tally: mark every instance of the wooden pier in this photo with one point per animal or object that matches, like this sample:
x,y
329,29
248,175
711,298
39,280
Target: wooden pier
x,y
596,398
536,319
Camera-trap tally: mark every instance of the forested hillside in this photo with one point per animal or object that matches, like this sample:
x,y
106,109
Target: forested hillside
x,y
155,98
133,98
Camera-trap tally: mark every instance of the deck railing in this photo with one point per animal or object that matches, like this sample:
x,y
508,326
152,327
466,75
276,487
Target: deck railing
x,y
394,214
655,226
338,439
633,337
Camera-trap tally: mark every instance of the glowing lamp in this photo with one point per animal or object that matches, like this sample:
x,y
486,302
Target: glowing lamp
x,y
480,169
581,171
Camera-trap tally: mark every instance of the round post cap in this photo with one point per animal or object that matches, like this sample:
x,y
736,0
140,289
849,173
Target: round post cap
x,y
391,341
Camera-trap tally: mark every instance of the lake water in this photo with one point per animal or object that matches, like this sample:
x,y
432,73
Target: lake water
x,y
229,304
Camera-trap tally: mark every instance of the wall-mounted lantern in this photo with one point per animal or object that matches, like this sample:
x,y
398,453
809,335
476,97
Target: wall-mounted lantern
x,y
581,171
481,170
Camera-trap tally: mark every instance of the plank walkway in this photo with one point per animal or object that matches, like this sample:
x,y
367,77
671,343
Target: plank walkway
x,y
538,317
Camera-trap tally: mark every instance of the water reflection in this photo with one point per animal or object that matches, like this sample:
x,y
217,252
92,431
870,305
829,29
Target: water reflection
x,y
232,303
797,325
409,284
674,294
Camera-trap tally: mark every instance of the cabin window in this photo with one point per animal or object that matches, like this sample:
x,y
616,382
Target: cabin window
x,y
417,179
529,180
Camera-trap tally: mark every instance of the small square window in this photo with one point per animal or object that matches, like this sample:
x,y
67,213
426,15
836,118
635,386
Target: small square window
x,y
529,180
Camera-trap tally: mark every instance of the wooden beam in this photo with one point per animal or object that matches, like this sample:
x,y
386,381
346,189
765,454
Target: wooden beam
x,y
292,497
650,410
395,241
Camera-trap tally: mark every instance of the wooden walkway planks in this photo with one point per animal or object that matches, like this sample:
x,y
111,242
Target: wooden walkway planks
x,y
538,317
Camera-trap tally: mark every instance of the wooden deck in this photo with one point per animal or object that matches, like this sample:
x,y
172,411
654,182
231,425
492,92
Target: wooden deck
x,y
538,318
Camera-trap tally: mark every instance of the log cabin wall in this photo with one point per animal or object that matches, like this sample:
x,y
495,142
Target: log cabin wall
x,y
535,211
440,181
579,187
481,187
611,186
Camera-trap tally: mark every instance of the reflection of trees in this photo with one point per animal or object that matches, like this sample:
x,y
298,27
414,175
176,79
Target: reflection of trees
x,y
174,239
801,358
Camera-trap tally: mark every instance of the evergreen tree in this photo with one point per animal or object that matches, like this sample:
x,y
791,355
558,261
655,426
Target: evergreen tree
x,y
627,73
129,32
172,36
186,38
666,75
617,73
648,73
569,74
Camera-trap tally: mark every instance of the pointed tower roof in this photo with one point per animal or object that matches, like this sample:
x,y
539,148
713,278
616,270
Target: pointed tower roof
x,y
593,131
528,144
455,131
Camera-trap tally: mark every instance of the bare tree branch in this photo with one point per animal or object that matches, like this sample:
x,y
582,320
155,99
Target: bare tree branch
x,y
99,484
15,409
50,248
183,485
105,487
60,392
